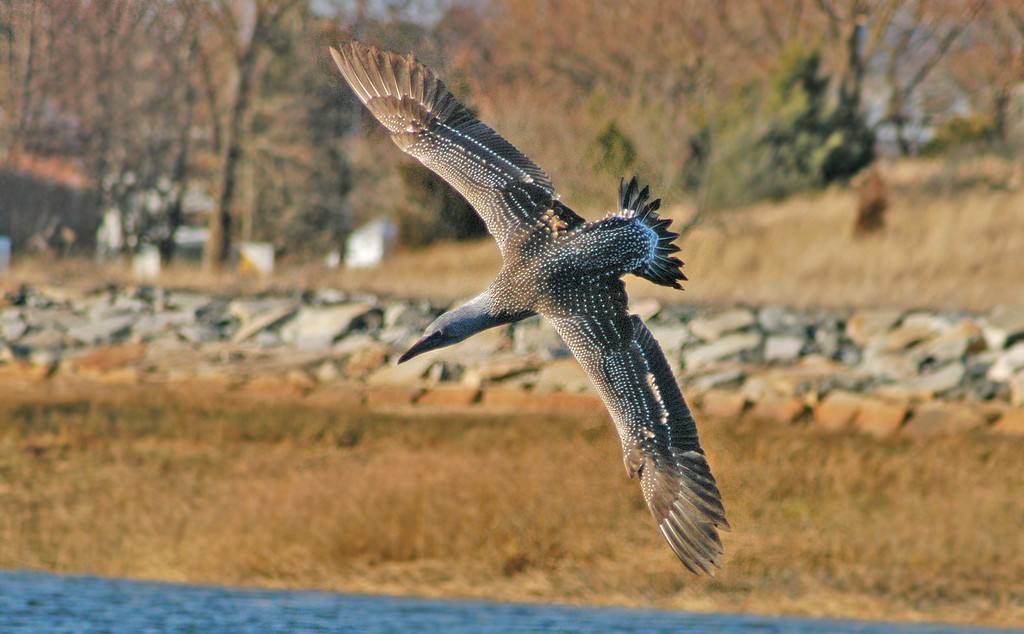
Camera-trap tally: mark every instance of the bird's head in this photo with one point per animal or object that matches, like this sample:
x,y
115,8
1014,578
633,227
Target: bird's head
x,y
450,328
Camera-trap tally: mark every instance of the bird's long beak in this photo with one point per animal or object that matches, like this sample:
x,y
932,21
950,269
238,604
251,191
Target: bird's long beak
x,y
426,344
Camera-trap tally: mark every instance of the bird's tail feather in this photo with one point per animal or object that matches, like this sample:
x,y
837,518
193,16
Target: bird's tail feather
x,y
662,268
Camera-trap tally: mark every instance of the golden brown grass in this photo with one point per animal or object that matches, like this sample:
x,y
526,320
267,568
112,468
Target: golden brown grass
x,y
157,484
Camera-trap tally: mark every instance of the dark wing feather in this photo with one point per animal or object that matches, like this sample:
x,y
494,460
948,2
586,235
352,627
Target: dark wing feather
x,y
505,187
658,433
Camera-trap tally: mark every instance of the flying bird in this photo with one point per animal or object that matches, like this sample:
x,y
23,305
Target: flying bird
x,y
558,265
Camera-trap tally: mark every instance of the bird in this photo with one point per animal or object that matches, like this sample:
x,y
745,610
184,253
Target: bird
x,y
558,265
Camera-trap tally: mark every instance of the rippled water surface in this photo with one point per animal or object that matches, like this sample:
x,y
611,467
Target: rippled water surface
x,y
37,602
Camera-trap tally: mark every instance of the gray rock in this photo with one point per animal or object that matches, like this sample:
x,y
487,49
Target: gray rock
x,y
245,310
47,338
779,320
953,343
537,336
12,329
713,327
865,325
318,327
782,348
402,315
1007,363
266,318
563,375
1003,326
671,337
942,380
725,378
148,327
199,333
102,331
724,348
187,301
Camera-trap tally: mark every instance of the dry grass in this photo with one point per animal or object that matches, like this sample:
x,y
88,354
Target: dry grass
x,y
274,492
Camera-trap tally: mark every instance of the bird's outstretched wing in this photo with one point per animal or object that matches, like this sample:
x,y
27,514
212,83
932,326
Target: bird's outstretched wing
x,y
658,433
505,187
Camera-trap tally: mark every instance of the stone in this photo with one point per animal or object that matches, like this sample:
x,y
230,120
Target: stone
x,y
499,369
952,344
246,309
865,325
782,348
670,336
777,409
901,338
484,344
12,329
1011,423
645,308
1007,363
300,379
260,321
838,410
932,383
563,375
714,326
887,366
318,327
148,327
1003,326
48,338
712,380
724,348
722,404
412,372
936,418
879,418
105,330
537,336
779,319
327,372
402,315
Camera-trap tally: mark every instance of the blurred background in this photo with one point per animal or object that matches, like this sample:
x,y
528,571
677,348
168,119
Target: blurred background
x,y
186,128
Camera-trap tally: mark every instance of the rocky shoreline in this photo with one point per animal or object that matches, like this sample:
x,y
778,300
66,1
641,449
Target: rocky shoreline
x,y
878,371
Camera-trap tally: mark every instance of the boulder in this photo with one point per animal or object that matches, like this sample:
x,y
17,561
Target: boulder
x,y
879,418
1007,363
563,375
935,418
318,327
865,325
951,344
103,331
782,348
838,410
714,326
777,409
1003,326
724,348
537,336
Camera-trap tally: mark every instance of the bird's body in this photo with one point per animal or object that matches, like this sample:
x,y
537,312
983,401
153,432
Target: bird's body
x,y
569,270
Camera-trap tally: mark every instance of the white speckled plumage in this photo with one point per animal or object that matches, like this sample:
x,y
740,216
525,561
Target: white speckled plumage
x,y
569,270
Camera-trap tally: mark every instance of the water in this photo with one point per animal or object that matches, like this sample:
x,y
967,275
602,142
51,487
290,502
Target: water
x,y
38,602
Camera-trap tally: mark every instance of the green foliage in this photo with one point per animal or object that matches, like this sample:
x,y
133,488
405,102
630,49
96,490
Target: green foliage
x,y
809,144
612,151
960,131
434,211
790,140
